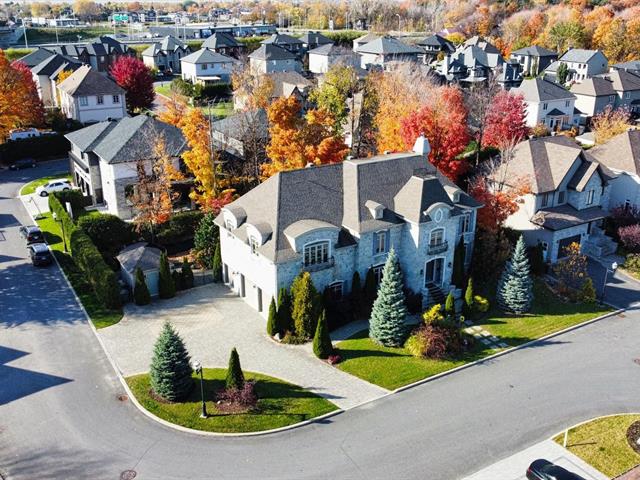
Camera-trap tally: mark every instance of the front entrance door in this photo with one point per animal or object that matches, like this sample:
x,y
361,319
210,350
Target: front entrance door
x,y
433,272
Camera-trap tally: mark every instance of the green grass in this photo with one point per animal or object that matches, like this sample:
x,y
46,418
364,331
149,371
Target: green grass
x,y
221,109
100,316
549,314
164,89
392,368
31,186
48,35
280,404
602,443
17,53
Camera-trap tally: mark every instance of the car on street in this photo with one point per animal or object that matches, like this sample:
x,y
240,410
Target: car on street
x,y
23,163
542,469
40,254
32,234
51,186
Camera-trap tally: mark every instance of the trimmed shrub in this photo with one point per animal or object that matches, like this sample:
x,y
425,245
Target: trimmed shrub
x,y
186,275
181,227
272,321
370,291
468,297
588,292
166,287
237,400
305,306
481,304
235,377
450,305
74,198
434,314
177,279
457,277
205,239
108,232
536,260
322,346
436,340
141,294
285,320
217,263
170,370
46,146
632,262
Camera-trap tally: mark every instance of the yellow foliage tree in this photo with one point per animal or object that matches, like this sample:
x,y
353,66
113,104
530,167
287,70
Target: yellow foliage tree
x,y
609,123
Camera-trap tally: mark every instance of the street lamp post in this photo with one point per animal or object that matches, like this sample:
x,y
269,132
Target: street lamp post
x,y
64,237
197,366
613,268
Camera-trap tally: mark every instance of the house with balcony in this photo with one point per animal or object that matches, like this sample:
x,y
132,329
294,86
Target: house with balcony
x,y
548,103
581,64
569,191
335,220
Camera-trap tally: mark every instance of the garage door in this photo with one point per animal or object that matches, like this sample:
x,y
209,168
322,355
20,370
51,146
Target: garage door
x,y
565,242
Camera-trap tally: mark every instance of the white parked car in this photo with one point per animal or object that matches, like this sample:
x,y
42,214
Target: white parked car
x,y
53,186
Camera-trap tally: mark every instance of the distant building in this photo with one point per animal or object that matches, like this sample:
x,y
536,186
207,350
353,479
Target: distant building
x,y
632,66
616,89
225,44
322,58
166,55
548,103
581,64
100,55
387,49
312,40
360,41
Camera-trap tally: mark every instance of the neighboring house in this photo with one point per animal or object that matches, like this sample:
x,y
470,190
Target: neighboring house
x,y
548,103
100,55
509,75
284,84
475,61
322,58
104,158
387,49
335,220
271,58
593,95
581,64
434,46
206,66
534,59
166,55
144,257
360,41
569,189
87,96
36,57
621,154
626,84
312,40
225,44
632,66
45,75
282,40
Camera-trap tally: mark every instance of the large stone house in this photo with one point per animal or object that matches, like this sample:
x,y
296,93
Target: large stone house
x,y
569,194
335,220
104,158
166,55
581,64
548,103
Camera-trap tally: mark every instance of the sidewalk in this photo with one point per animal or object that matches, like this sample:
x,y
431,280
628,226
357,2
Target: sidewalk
x,y
515,467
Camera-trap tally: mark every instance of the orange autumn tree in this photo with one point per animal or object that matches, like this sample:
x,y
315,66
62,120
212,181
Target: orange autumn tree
x,y
175,110
297,140
20,105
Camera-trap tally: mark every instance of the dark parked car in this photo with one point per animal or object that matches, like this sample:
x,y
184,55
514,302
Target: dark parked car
x,y
31,234
23,163
545,470
40,254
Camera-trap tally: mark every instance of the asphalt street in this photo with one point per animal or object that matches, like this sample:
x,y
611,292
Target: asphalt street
x,y
60,416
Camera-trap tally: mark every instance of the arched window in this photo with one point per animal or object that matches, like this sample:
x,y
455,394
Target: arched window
x,y
316,253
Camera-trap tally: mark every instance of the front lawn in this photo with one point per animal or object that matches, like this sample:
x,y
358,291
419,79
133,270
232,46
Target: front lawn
x,y
164,89
602,443
219,110
280,404
392,368
549,314
31,186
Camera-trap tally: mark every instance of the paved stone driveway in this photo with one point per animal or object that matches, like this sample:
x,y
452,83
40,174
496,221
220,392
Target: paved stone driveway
x,y
211,321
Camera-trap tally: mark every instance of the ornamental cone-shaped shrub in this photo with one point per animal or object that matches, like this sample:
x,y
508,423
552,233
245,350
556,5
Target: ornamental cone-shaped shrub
x,y
235,377
322,346
272,321
170,371
588,292
305,301
166,287
285,321
468,297
387,326
450,305
186,274
515,289
141,294
217,263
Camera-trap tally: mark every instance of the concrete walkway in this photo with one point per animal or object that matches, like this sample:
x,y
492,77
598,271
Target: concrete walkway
x,y
211,321
515,467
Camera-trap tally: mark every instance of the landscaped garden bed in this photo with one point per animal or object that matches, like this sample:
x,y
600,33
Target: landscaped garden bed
x,y
279,404
604,444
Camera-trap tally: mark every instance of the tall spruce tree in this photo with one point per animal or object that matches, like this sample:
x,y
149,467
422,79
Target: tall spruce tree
x,y
285,320
141,294
305,306
457,277
170,371
235,377
272,321
166,287
515,289
322,346
217,263
387,326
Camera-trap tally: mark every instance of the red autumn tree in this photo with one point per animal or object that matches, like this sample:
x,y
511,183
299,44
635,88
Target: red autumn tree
x,y
505,120
20,105
135,77
443,121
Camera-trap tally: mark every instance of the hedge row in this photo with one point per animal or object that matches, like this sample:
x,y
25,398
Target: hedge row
x,y
74,197
47,146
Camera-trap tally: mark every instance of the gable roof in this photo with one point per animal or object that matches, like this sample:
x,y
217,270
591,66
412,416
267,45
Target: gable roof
x,y
86,81
540,90
622,152
270,51
369,37
580,55
317,38
622,80
630,65
70,50
481,43
86,138
436,40
205,55
139,255
167,44
54,64
219,40
36,57
329,50
284,81
281,39
237,124
535,51
594,87
388,45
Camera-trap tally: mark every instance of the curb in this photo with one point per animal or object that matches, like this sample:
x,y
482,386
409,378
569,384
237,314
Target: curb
x,y
507,351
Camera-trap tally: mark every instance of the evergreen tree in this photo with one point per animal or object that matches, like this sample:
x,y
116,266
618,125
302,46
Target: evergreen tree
x,y
387,326
217,263
468,297
562,73
285,320
177,279
141,294
170,371
588,292
305,306
450,305
322,346
369,293
206,239
272,321
235,377
457,277
186,274
515,289
355,297
166,287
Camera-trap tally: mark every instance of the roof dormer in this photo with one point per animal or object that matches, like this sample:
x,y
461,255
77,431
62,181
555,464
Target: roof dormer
x,y
375,209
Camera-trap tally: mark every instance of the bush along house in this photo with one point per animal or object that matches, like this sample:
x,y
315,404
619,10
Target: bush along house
x,y
337,219
569,193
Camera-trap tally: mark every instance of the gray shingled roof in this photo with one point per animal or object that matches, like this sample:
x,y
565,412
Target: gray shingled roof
x,y
388,45
236,124
52,65
281,39
270,51
482,44
369,37
436,40
540,90
204,55
330,49
311,38
535,51
621,153
579,55
566,216
139,255
623,81
86,81
86,138
36,57
168,44
219,40
283,81
594,87
630,65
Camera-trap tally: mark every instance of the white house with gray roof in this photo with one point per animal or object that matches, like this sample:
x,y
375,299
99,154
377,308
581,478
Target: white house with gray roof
x,y
386,49
270,58
207,66
104,158
548,103
581,64
338,219
534,59
322,58
166,54
45,76
568,199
